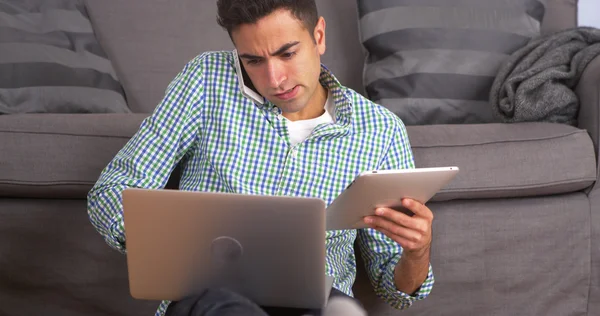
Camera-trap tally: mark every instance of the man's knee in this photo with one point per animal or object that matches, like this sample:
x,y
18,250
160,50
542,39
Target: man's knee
x,y
343,306
214,302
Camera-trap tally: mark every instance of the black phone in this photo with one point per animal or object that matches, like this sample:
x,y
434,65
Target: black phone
x,y
247,82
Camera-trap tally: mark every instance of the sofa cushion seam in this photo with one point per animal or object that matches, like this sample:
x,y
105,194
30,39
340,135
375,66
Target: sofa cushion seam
x,y
503,141
43,183
65,134
529,186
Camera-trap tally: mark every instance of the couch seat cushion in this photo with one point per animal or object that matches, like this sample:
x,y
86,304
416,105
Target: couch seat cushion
x,y
507,160
59,155
62,155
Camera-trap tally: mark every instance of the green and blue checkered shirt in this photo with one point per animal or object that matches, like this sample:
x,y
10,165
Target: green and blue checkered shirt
x,y
226,143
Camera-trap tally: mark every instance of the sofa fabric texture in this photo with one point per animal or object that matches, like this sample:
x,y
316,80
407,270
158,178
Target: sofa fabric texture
x,y
91,140
55,263
51,61
527,256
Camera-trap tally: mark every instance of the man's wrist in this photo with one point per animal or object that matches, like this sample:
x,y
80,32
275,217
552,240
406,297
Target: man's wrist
x,y
411,270
417,255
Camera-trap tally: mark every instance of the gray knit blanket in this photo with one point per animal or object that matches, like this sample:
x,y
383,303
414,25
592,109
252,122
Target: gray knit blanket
x,y
536,83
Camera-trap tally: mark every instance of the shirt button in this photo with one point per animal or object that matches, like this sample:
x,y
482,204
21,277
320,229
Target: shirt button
x,y
294,153
279,117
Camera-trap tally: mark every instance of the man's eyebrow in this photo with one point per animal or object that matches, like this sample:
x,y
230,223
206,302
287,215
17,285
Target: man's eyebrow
x,y
280,51
284,48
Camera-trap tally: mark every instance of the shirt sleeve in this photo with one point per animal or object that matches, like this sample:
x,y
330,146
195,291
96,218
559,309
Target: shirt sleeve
x,y
380,253
149,157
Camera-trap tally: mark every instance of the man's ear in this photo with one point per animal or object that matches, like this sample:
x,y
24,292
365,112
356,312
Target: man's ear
x,y
319,35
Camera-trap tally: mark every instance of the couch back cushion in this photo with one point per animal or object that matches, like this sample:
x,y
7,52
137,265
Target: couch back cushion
x,y
434,61
150,41
51,62
559,15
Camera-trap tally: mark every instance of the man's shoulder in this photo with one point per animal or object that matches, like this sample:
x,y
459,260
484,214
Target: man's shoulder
x,y
212,62
215,56
370,112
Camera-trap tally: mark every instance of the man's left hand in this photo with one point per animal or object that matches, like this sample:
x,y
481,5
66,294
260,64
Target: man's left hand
x,y
412,233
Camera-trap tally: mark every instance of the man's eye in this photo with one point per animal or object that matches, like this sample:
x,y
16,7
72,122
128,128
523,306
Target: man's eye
x,y
253,61
288,55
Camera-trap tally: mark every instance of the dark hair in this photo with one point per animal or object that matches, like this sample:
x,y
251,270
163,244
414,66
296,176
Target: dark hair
x,y
233,13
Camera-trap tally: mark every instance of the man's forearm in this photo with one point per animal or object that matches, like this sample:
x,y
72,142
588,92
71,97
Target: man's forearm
x,y
411,271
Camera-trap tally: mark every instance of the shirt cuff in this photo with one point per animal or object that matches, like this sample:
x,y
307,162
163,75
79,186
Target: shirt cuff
x,y
399,299
116,236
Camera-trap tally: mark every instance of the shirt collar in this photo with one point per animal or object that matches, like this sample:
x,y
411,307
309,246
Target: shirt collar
x,y
341,97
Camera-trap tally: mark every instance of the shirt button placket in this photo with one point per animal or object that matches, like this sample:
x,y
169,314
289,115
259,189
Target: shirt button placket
x,y
293,154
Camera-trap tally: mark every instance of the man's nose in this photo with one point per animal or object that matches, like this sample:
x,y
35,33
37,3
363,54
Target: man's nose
x,y
276,74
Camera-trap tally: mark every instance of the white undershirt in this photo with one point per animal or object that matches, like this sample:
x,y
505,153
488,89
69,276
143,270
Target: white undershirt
x,y
300,130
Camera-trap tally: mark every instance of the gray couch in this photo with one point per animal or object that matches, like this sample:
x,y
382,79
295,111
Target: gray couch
x,y
517,233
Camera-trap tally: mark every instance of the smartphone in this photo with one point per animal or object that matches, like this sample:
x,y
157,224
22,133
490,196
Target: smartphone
x,y
246,86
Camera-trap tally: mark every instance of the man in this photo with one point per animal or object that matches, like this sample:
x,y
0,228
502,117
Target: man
x,y
311,138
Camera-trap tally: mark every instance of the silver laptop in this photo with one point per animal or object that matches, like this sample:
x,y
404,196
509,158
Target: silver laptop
x,y
270,249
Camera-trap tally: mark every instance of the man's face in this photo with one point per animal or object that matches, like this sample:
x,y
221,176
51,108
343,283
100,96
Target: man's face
x,y
282,59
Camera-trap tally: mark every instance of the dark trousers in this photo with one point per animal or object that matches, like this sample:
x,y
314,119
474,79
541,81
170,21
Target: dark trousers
x,y
222,302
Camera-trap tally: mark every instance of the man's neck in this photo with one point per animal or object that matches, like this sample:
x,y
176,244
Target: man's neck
x,y
314,108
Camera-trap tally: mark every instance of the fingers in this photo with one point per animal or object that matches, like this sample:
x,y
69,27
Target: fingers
x,y
418,208
399,218
392,228
412,233
405,243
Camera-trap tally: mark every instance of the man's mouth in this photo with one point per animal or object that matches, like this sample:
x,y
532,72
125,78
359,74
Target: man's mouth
x,y
288,94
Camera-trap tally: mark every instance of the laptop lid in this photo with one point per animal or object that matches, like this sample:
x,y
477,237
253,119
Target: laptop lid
x,y
270,249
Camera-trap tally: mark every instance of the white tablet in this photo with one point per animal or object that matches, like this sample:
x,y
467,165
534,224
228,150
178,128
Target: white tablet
x,y
386,188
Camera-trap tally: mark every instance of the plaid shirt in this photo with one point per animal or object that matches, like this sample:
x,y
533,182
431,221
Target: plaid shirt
x,y
226,143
